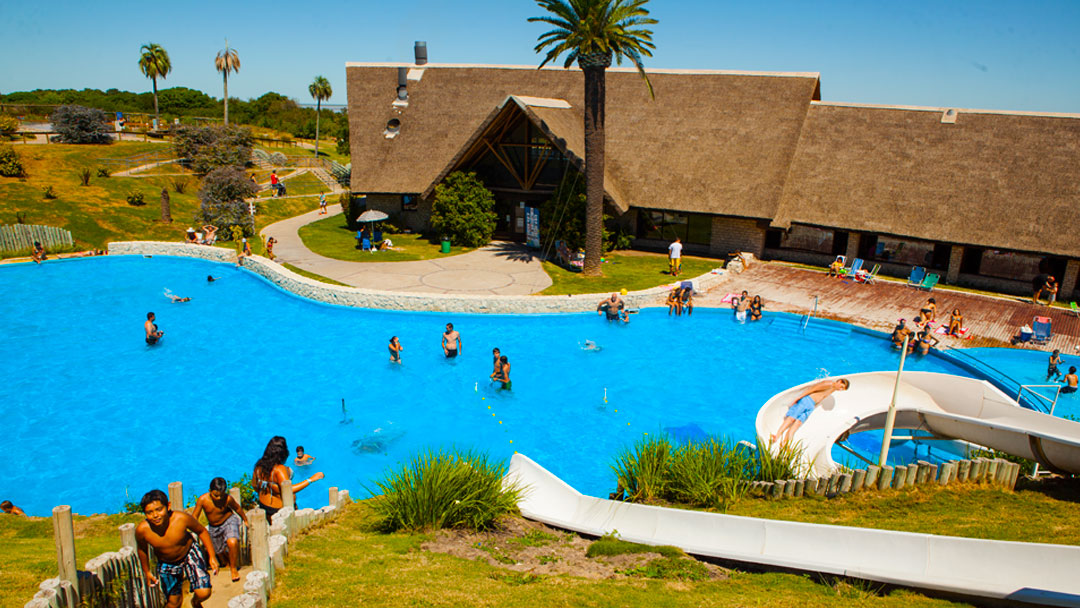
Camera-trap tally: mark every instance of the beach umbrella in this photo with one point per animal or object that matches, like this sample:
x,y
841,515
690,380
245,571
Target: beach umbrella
x,y
371,216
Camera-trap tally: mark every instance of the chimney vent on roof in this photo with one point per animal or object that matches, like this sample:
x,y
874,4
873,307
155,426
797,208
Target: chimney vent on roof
x,y
420,52
402,84
949,116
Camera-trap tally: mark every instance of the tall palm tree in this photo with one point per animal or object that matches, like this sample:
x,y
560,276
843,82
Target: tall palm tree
x,y
154,63
320,90
591,32
227,61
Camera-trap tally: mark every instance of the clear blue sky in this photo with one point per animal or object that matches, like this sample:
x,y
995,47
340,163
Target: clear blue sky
x,y
996,55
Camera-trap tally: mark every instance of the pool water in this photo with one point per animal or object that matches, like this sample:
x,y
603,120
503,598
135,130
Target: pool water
x,y
91,416
1028,367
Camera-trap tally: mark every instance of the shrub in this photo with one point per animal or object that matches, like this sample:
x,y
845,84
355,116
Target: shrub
x,y
10,163
48,193
102,172
709,474
80,125
222,196
463,210
136,199
279,159
84,177
642,471
248,497
783,464
440,489
8,125
562,217
207,148
180,184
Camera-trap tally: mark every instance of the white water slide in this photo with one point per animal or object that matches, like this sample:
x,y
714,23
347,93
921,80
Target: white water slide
x,y
944,405
1014,572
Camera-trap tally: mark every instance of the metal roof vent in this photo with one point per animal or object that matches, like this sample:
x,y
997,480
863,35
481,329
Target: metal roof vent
x,y
393,127
402,99
420,52
949,116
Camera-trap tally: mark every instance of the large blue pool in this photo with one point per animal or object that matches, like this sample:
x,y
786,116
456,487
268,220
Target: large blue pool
x,y
90,415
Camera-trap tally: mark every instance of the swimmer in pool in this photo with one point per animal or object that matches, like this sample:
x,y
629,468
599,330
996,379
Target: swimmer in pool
x,y
591,346
804,405
302,459
175,298
503,373
451,342
153,334
395,350
211,278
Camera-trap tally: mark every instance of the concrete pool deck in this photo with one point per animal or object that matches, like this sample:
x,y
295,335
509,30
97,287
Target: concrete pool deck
x,y
500,268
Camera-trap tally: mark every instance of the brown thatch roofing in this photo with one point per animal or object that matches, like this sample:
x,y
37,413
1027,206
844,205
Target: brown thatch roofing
x,y
710,142
1009,181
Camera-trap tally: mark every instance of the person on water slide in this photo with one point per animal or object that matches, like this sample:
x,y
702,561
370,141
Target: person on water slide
x,y
804,404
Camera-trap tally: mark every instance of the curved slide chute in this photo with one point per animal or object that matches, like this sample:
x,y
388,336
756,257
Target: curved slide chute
x,y
944,405
1014,572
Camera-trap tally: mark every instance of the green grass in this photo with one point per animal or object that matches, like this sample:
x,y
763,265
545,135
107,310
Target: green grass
x,y
313,276
305,183
630,270
28,553
611,545
330,237
348,561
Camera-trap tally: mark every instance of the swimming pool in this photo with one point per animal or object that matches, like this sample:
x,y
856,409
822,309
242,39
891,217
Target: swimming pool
x,y
92,415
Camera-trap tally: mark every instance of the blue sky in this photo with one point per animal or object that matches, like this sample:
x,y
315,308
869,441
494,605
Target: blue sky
x,y
994,55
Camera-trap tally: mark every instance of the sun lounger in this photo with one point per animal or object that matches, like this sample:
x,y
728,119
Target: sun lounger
x,y
366,245
915,279
930,281
856,266
1040,327
869,277
1074,310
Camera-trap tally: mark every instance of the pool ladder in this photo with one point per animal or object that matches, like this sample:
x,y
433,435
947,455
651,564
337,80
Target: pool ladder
x,y
810,314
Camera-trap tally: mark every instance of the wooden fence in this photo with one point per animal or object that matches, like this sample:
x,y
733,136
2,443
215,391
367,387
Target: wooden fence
x,y
21,237
115,579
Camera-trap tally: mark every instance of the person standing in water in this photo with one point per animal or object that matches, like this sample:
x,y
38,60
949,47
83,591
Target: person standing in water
x,y
395,350
153,334
451,342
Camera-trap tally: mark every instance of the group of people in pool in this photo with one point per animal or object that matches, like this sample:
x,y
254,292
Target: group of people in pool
x,y
920,334
614,309
1070,379
744,306
452,347
153,334
680,299
186,550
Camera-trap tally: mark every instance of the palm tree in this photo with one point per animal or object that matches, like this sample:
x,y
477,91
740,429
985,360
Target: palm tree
x,y
320,90
154,63
591,32
227,61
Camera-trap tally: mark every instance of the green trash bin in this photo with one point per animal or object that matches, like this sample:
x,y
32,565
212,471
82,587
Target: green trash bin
x,y
445,246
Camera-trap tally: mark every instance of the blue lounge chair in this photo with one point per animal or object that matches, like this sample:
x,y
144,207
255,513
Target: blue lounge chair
x,y
856,266
930,281
365,244
1040,326
915,279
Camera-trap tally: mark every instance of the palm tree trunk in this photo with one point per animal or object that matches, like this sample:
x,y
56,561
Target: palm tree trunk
x,y
226,76
318,106
594,167
157,120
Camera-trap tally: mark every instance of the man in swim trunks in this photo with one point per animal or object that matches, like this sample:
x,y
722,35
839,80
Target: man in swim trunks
x,y
503,372
451,342
223,514
496,365
805,404
1070,381
612,307
740,305
153,334
180,555
1052,370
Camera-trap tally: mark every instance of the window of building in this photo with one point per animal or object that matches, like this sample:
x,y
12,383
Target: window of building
x,y
900,251
409,202
694,228
1009,265
808,238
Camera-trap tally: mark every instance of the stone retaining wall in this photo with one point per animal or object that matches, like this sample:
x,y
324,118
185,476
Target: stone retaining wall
x,y
389,300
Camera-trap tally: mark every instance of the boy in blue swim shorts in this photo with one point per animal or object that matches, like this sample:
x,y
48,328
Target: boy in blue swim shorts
x,y
804,405
175,537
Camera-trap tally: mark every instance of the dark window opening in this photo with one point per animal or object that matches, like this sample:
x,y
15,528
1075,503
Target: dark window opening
x,y
693,228
409,202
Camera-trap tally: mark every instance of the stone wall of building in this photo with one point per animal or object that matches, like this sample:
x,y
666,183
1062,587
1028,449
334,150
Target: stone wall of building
x,y
730,234
387,300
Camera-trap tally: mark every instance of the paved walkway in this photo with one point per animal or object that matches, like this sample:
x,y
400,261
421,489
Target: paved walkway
x,y
499,269
992,320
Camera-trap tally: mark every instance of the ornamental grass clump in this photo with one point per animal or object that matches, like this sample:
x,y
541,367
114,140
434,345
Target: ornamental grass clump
x,y
446,489
642,470
782,462
710,474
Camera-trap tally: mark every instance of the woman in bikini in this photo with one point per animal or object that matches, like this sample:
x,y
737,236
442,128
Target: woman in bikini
x,y
270,472
755,308
929,310
956,323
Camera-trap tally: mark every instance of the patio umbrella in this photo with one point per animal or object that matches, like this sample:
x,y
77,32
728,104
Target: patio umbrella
x,y
371,216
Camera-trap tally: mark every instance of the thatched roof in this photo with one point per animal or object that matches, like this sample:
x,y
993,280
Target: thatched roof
x,y
712,142
994,179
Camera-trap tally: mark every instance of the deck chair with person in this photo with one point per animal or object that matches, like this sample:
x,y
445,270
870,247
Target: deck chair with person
x,y
869,277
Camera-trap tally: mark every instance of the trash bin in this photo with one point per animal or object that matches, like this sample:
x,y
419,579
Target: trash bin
x,y
445,246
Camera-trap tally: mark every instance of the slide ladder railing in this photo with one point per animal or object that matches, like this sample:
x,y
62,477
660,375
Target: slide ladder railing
x,y
811,313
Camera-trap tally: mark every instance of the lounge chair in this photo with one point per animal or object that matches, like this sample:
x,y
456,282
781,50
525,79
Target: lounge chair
x,y
1074,310
856,266
1040,327
869,277
366,245
930,281
915,279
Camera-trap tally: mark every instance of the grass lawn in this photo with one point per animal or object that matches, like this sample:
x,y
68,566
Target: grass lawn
x,y
632,270
347,561
99,213
330,237
305,183
28,553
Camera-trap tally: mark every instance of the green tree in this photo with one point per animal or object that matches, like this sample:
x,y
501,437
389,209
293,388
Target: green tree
x,y
222,201
154,63
463,210
320,90
207,148
562,217
591,32
227,61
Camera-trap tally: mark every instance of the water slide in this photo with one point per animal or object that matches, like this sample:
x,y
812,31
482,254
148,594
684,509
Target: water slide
x,y
1010,571
944,405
